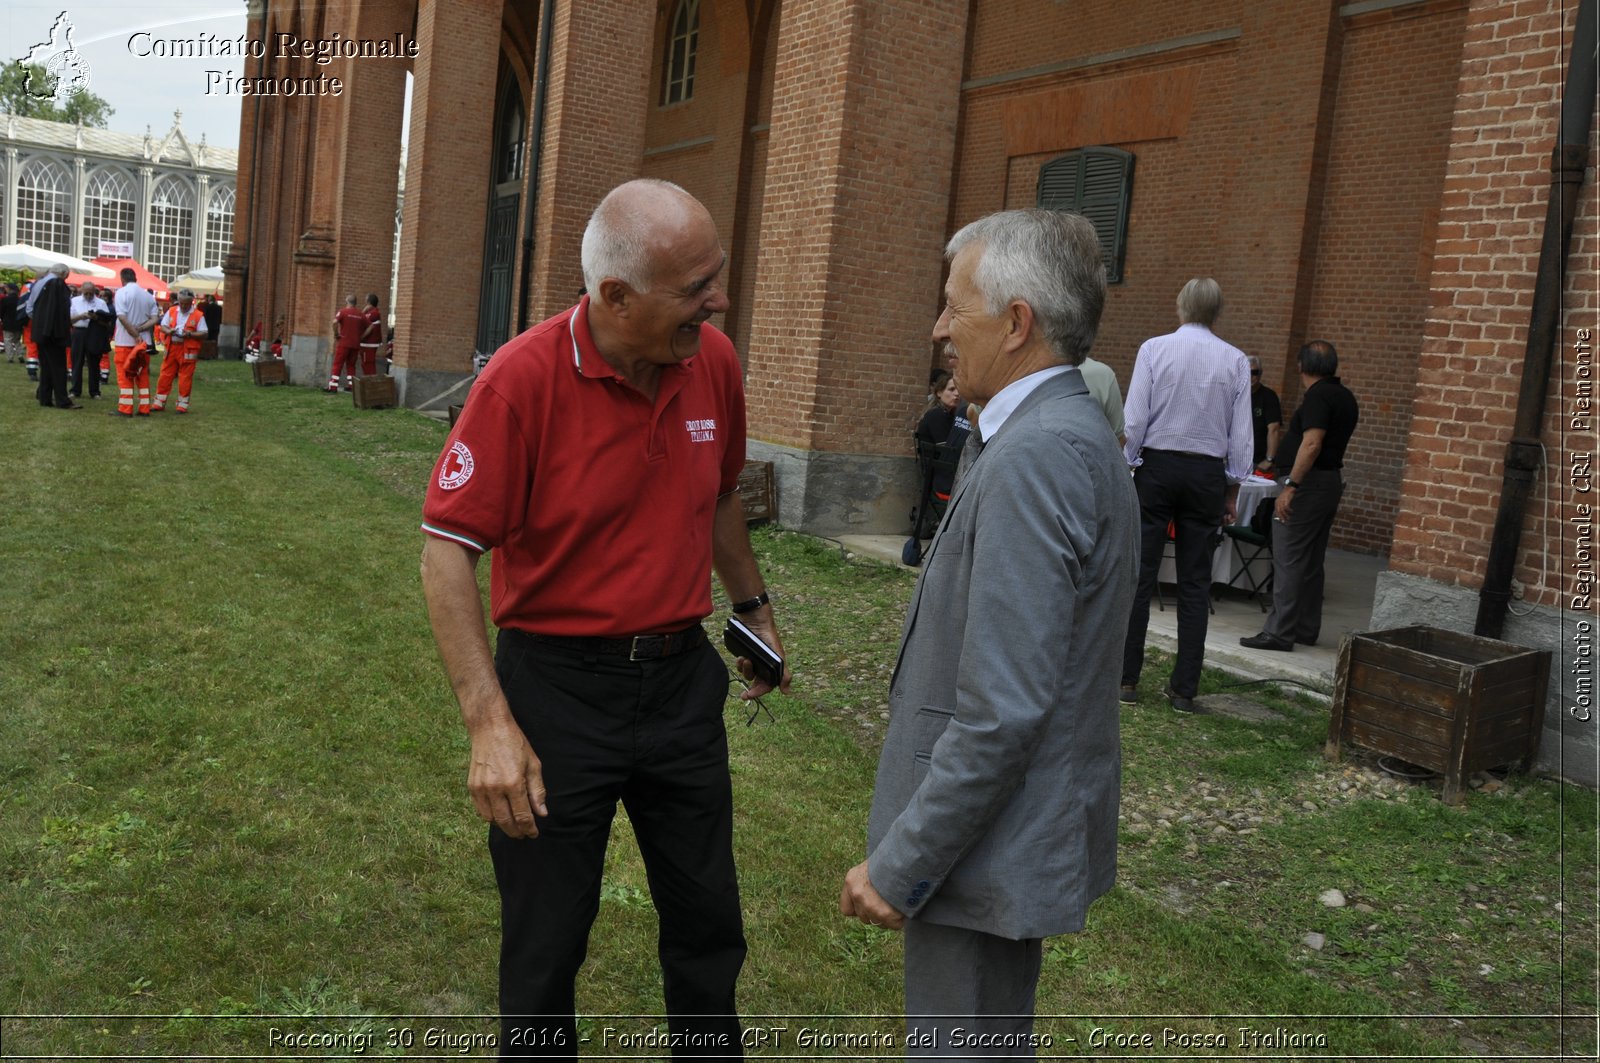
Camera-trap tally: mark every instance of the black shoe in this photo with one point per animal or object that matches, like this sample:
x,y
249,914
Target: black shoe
x,y
1130,694
1265,641
1182,704
1305,642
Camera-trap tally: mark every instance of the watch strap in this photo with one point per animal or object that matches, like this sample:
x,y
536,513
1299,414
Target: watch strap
x,y
750,605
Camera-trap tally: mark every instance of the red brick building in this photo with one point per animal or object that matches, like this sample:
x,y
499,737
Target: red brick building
x,y
1374,173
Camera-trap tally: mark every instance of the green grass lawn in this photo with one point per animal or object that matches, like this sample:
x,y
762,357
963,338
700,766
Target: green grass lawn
x,y
232,791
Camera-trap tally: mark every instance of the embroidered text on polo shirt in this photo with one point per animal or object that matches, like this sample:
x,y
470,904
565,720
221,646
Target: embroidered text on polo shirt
x,y
702,431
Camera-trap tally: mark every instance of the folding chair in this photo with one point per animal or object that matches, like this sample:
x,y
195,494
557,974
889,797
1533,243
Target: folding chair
x,y
1242,536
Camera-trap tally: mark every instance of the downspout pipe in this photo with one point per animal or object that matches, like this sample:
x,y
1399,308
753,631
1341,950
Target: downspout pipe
x,y
1524,456
245,328
541,77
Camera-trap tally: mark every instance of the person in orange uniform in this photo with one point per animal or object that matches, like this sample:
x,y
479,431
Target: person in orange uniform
x,y
348,324
136,313
30,351
184,326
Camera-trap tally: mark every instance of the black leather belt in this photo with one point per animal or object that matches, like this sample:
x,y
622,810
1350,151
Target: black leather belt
x,y
1181,453
633,647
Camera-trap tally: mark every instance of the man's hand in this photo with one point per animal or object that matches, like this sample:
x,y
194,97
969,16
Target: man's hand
x,y
1230,505
1285,503
505,780
860,900
761,623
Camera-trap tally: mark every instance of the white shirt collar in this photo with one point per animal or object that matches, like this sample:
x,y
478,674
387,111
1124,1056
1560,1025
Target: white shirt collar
x,y
1003,405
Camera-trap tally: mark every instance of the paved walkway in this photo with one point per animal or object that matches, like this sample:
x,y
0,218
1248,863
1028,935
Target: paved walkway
x,y
1351,584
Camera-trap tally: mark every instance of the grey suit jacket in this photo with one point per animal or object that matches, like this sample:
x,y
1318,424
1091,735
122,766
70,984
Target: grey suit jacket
x,y
995,807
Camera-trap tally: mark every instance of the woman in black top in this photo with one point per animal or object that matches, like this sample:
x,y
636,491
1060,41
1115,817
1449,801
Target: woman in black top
x,y
945,422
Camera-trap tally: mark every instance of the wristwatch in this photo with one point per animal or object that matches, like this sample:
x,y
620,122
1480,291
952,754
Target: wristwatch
x,y
1288,481
750,605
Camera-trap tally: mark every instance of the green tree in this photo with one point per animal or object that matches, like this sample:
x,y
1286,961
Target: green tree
x,y
83,107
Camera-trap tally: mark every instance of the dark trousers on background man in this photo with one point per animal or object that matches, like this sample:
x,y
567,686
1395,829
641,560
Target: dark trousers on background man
x,y
85,360
52,390
1185,492
1299,548
650,734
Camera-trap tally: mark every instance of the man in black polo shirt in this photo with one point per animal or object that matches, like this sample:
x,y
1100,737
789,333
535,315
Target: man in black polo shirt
x,y
1313,451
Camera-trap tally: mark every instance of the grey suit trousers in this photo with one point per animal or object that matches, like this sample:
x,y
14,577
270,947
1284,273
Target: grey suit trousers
x,y
1299,546
969,995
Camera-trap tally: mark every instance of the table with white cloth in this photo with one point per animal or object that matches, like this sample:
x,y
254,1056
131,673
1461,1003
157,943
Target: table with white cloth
x,y
1225,567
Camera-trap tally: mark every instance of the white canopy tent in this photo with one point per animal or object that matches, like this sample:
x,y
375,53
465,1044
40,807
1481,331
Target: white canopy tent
x,y
37,259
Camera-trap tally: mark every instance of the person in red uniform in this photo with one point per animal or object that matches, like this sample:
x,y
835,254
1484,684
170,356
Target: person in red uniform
x,y
348,326
371,337
184,325
598,458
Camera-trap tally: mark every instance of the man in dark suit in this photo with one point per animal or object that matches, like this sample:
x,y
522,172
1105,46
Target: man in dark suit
x,y
50,310
994,817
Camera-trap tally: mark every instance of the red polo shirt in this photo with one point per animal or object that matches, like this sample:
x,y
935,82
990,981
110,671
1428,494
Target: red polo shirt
x,y
598,504
370,315
351,325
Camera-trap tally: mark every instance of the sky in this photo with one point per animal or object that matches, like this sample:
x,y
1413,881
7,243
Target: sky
x,y
143,90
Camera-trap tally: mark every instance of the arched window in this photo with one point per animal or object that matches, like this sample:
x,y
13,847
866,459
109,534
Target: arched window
x,y
171,250
108,210
683,41
44,206
509,157
1097,183
219,226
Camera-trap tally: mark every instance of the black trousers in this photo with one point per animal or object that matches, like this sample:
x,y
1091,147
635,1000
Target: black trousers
x,y
1188,492
651,735
52,389
1299,547
84,349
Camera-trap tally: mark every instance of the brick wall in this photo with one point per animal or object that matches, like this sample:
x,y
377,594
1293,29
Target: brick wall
x,y
1221,104
857,182
369,141
1490,223
1369,268
697,143
745,248
598,97
447,181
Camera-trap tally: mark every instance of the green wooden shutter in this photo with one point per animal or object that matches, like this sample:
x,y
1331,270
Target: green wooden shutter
x,y
1097,183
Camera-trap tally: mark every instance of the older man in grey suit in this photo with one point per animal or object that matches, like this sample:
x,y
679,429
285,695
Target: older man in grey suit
x,y
994,820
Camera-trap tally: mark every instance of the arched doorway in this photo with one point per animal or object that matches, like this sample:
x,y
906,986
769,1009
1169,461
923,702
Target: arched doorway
x,y
500,234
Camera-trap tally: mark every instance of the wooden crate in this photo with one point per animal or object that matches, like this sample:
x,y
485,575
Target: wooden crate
x,y
269,371
758,492
375,392
455,412
1446,701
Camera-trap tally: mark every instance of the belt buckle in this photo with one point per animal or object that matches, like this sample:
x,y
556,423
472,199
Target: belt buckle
x,y
655,640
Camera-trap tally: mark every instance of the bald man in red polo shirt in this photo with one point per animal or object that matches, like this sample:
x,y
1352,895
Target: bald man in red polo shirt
x,y
598,458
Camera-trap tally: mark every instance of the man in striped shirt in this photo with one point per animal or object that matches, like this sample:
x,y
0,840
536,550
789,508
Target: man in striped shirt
x,y
1189,442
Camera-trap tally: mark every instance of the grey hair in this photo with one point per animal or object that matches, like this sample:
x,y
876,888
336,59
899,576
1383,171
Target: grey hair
x,y
59,269
1318,358
1200,302
1048,259
616,242
1255,363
